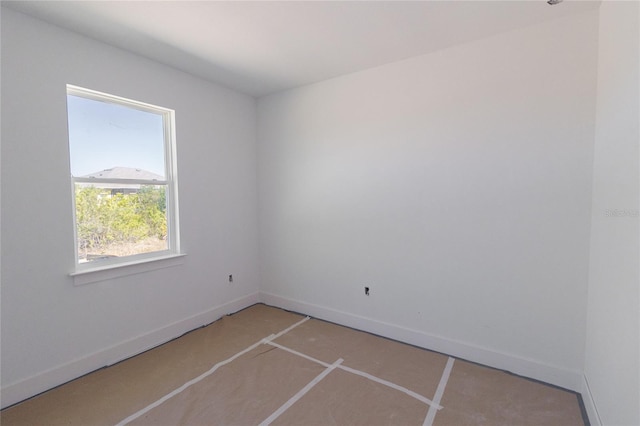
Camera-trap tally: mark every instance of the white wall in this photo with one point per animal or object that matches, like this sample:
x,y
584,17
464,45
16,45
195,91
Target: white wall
x,y
612,367
52,330
456,185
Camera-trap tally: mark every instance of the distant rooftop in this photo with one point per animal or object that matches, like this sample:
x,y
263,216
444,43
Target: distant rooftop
x,y
121,173
124,173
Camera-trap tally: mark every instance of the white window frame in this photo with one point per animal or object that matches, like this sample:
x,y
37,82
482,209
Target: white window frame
x,y
127,265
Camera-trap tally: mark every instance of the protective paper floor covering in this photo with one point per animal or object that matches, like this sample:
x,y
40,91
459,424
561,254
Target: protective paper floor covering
x,y
234,372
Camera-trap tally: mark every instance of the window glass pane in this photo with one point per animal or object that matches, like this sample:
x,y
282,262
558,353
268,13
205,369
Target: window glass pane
x,y
120,221
123,142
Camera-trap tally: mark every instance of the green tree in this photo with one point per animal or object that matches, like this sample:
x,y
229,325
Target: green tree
x,y
103,218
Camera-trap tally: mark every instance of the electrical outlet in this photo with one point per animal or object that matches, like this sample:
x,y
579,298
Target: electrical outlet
x,y
230,278
366,291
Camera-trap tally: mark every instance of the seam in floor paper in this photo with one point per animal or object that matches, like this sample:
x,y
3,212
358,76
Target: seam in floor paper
x,y
362,374
284,407
434,405
206,374
431,414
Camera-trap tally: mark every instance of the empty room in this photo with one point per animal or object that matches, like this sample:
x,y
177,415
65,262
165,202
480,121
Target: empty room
x,y
316,213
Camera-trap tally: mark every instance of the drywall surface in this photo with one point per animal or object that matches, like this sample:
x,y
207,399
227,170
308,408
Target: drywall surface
x,y
612,366
455,185
48,324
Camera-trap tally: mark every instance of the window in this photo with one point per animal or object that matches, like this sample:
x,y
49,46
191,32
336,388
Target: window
x,y
123,174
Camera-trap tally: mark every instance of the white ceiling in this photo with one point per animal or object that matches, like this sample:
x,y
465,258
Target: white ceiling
x,y
265,46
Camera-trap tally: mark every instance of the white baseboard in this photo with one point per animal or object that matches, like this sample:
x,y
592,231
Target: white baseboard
x,y
589,403
569,379
43,381
565,378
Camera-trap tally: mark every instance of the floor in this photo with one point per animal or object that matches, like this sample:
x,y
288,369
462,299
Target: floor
x,y
266,366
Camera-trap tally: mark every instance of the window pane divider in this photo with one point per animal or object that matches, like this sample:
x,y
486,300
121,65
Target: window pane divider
x,y
123,181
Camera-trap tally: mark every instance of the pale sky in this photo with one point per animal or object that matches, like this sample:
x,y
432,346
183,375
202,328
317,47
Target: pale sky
x,y
104,135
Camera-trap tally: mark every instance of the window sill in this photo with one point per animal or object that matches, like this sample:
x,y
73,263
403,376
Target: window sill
x,y
108,272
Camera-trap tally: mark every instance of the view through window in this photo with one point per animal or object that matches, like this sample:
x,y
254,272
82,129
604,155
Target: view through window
x,y
123,177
